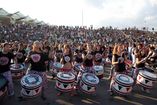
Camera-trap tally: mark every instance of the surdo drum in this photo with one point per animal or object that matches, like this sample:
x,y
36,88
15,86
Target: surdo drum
x,y
88,83
65,81
146,79
122,84
31,85
17,71
99,71
3,86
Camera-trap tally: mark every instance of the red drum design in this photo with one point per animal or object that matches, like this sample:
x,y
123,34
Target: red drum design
x,y
146,79
17,71
99,71
31,85
88,83
65,81
122,84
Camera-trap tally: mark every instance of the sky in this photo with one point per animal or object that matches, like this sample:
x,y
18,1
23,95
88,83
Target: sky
x,y
116,13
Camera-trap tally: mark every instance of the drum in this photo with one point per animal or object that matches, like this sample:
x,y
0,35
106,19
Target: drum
x,y
76,69
56,67
3,86
99,71
88,83
122,84
17,71
65,81
31,85
146,79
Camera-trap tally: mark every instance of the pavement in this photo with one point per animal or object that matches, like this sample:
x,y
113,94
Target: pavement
x,y
102,97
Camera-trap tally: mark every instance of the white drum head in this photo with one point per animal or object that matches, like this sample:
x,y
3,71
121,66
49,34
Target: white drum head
x,y
90,78
124,79
66,76
98,68
31,80
15,67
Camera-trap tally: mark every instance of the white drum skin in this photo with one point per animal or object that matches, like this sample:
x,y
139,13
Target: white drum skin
x,y
31,85
55,67
146,79
88,83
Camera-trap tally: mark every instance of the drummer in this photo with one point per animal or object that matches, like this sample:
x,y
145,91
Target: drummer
x,y
20,54
38,61
141,58
117,62
5,60
66,60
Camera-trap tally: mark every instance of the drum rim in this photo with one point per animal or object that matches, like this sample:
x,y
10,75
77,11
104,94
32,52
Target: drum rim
x,y
146,76
34,85
72,78
83,76
125,83
16,70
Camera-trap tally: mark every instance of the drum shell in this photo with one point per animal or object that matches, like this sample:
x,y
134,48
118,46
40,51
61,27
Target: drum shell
x,y
31,90
65,85
122,84
144,80
86,86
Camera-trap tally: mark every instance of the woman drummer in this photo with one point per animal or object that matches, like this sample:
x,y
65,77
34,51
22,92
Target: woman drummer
x,y
66,60
38,61
141,58
117,62
21,54
5,60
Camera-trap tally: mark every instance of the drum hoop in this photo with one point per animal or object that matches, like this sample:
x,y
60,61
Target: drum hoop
x,y
84,75
34,85
17,69
147,77
124,82
89,84
70,79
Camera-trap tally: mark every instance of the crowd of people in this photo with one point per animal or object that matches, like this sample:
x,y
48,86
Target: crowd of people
x,y
73,45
